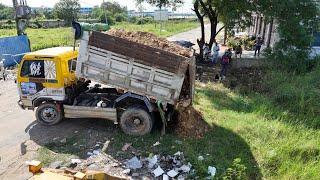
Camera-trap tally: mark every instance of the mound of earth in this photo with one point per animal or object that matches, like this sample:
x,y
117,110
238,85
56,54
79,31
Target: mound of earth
x,y
151,40
190,123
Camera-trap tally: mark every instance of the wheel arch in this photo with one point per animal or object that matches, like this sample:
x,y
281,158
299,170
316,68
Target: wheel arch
x,y
142,99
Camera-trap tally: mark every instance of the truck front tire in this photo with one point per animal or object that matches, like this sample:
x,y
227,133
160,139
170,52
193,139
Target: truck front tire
x,y
48,114
136,121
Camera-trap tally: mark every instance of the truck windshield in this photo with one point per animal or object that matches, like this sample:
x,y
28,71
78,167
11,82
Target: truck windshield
x,y
33,68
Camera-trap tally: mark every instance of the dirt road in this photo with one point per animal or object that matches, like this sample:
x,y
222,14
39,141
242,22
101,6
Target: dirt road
x,y
13,122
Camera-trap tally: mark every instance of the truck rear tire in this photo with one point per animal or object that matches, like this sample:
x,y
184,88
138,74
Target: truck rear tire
x,y
48,114
136,121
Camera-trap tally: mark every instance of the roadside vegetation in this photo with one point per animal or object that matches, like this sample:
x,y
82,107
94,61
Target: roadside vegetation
x,y
269,132
45,38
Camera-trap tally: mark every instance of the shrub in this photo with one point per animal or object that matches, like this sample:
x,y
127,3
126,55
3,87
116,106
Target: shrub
x,y
236,172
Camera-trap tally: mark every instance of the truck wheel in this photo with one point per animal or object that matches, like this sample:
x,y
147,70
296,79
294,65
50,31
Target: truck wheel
x,y
48,114
136,121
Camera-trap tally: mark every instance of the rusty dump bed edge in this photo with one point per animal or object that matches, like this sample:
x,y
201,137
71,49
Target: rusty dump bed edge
x,y
143,54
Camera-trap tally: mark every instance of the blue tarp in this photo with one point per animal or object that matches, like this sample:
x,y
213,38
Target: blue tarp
x,y
13,48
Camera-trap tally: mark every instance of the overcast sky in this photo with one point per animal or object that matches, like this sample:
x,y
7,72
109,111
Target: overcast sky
x,y
90,3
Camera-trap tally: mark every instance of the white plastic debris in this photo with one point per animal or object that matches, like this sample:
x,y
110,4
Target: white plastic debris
x,y
89,153
126,171
134,163
200,158
126,146
156,144
172,173
158,172
152,161
212,171
185,168
178,153
75,161
165,177
96,152
178,142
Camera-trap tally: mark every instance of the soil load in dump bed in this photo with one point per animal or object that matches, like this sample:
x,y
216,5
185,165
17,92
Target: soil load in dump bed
x,y
142,53
151,40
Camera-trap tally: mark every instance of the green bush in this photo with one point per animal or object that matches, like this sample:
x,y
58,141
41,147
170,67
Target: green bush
x,y
145,20
120,17
236,172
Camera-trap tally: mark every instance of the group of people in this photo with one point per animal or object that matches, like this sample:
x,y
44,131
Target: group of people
x,y
227,56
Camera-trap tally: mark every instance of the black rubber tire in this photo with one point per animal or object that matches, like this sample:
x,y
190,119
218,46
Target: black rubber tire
x,y
55,112
128,125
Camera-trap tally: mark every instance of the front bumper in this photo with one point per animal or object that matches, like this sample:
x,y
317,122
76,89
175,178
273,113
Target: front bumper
x,y
21,105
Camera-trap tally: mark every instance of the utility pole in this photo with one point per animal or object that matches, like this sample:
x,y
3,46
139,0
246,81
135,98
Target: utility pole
x,y
22,15
105,11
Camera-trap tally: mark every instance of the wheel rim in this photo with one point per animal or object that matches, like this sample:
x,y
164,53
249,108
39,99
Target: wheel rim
x,y
49,115
135,124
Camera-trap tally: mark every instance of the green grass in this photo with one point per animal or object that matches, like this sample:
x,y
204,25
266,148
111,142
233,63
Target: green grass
x,y
45,38
255,128
168,28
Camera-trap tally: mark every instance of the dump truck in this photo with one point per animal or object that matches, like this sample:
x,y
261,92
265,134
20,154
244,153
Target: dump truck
x,y
106,77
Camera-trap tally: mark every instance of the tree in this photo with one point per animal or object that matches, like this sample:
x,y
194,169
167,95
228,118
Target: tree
x,y
112,10
162,3
296,21
67,10
6,12
229,12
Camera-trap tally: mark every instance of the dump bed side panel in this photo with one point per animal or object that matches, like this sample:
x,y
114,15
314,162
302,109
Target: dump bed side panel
x,y
143,54
128,73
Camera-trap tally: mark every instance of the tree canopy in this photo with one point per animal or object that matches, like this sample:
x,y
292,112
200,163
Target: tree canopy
x,y
163,3
67,10
6,12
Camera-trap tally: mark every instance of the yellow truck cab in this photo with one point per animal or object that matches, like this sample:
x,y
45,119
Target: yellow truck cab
x,y
44,74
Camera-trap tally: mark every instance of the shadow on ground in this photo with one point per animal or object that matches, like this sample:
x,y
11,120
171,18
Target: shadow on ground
x,y
219,147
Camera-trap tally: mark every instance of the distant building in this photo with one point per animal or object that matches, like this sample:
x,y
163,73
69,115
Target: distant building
x,y
85,10
172,15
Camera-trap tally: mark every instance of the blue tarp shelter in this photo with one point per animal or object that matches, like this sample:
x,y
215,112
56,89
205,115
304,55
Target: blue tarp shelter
x,y
13,48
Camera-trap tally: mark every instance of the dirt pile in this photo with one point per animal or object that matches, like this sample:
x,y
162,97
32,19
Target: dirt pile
x,y
190,123
152,40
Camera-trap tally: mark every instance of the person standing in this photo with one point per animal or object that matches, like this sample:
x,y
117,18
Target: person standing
x,y
257,46
215,52
225,61
238,51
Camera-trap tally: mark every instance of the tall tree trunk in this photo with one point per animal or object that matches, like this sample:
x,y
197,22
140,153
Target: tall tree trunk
x,y
200,18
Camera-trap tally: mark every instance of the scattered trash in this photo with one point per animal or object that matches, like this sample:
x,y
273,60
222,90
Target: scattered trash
x,y
212,171
165,177
75,144
75,161
89,153
64,140
55,165
181,177
178,142
178,153
105,146
185,168
156,144
96,152
76,132
152,161
172,173
158,172
126,146
134,163
200,158
126,171
135,175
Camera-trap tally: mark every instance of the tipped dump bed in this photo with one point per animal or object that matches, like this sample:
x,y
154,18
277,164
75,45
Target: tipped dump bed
x,y
143,54
135,67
